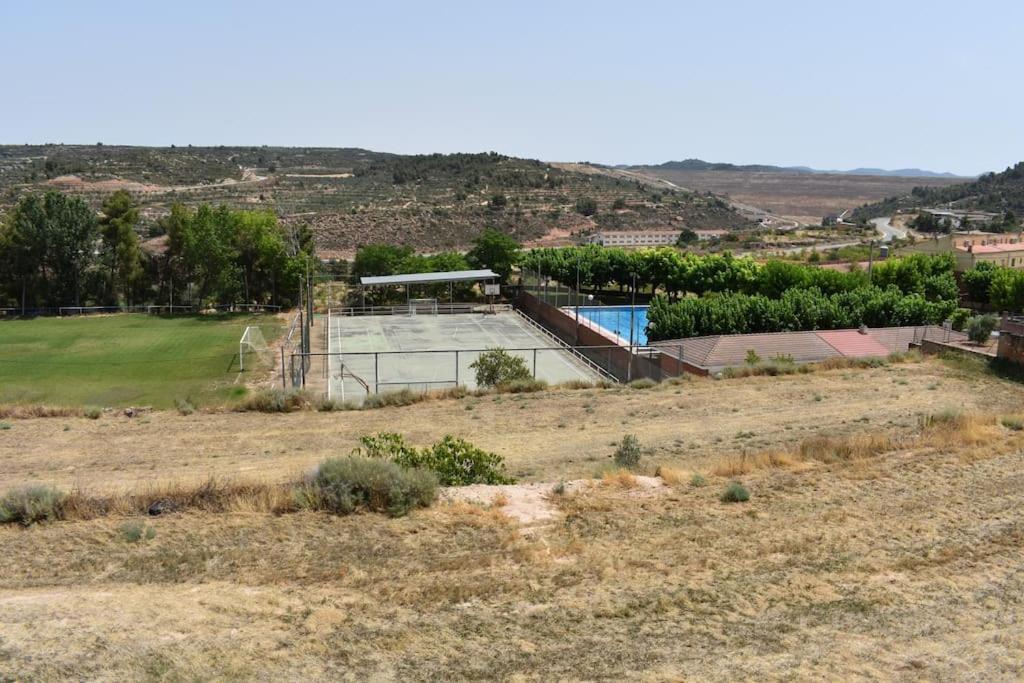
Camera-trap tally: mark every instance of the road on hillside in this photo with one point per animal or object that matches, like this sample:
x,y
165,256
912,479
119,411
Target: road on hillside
x,y
886,230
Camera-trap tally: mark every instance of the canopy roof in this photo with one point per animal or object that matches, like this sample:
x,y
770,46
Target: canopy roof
x,y
427,278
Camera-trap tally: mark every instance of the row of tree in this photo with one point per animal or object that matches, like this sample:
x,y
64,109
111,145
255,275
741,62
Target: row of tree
x,y
796,309
56,251
998,286
676,273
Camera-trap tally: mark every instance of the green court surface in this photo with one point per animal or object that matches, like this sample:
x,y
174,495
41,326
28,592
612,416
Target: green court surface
x,y
126,360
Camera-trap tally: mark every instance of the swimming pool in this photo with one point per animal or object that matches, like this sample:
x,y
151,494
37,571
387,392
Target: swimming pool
x,y
615,319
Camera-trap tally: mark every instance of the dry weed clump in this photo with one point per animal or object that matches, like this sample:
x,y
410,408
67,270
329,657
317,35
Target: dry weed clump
x,y
19,412
672,476
745,463
620,479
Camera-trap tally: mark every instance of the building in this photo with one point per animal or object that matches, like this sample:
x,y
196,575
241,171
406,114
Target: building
x,y
974,246
635,238
645,238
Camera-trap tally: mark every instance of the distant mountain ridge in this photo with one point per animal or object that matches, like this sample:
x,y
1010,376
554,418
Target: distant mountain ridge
x,y
701,165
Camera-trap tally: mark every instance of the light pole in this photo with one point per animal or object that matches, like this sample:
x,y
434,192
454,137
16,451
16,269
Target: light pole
x,y
632,316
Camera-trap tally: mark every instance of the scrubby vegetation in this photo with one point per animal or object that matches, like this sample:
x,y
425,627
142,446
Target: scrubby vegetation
x,y
454,461
497,366
31,504
344,485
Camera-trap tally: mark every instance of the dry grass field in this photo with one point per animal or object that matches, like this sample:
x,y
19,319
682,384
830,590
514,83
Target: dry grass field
x,y
875,544
802,196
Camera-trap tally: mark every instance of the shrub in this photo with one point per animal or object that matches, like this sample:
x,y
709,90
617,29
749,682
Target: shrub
x,y
522,386
642,383
457,462
5,426
980,328
343,485
628,452
752,357
959,318
133,532
698,480
1015,424
622,479
403,397
586,206
558,489
31,504
735,493
497,366
93,413
275,401
184,407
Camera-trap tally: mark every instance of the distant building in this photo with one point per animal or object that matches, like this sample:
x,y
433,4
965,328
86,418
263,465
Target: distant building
x,y
636,238
973,246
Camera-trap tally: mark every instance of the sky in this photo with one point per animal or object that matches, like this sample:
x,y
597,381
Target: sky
x,y
933,85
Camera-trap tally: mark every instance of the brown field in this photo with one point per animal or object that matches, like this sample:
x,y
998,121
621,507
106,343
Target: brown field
x,y
805,197
872,546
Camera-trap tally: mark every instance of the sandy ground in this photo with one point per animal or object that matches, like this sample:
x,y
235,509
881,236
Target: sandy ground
x,y
548,436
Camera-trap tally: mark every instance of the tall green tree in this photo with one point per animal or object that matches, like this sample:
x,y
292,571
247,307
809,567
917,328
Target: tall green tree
x,y
120,252
494,250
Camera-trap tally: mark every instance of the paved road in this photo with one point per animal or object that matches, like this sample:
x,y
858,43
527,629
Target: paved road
x,y
885,228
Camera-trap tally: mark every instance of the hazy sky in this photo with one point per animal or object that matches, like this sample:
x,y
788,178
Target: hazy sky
x,y
936,84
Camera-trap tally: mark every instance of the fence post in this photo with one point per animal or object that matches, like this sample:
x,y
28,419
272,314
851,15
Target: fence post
x,y
535,363
456,367
283,384
679,363
376,373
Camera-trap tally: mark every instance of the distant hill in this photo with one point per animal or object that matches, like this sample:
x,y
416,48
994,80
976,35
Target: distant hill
x,y
356,196
996,192
700,165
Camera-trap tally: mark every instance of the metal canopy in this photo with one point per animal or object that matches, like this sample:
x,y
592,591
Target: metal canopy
x,y
427,278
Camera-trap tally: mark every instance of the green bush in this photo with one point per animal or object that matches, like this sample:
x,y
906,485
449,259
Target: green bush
x,y
628,452
1015,424
93,413
752,357
343,485
184,407
735,493
5,426
134,531
497,366
959,318
698,480
642,383
31,504
456,462
980,328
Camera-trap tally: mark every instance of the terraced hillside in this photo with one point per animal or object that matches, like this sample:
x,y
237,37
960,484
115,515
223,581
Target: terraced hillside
x,y
353,196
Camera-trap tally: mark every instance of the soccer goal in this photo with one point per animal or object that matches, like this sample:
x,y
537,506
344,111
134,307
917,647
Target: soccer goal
x,y
420,306
252,342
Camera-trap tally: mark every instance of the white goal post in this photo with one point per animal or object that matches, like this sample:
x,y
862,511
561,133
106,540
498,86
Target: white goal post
x,y
428,306
252,341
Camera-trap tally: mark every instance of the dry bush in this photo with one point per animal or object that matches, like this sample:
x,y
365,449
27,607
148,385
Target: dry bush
x,y
620,479
829,449
500,500
276,401
209,496
31,411
745,463
672,476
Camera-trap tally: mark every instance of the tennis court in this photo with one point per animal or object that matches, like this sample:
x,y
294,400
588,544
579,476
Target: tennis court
x,y
378,353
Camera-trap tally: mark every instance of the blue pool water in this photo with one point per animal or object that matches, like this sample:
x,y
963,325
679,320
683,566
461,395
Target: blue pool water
x,y
615,319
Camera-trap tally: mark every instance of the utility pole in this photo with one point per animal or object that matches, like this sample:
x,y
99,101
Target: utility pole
x,y
632,315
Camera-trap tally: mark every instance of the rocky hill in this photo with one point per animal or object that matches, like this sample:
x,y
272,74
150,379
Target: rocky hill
x,y
354,196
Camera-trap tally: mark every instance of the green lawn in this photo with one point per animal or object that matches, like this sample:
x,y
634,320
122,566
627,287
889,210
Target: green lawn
x,y
125,360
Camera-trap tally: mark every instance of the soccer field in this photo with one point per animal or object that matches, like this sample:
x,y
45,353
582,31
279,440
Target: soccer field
x,y
125,360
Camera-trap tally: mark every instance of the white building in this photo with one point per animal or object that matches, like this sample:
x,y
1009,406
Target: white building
x,y
635,238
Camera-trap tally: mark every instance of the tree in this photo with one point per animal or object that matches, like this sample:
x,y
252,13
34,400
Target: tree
x,y
120,252
586,206
494,250
687,237
379,259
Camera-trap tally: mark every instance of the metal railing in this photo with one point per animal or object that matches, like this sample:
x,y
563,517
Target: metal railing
x,y
404,309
